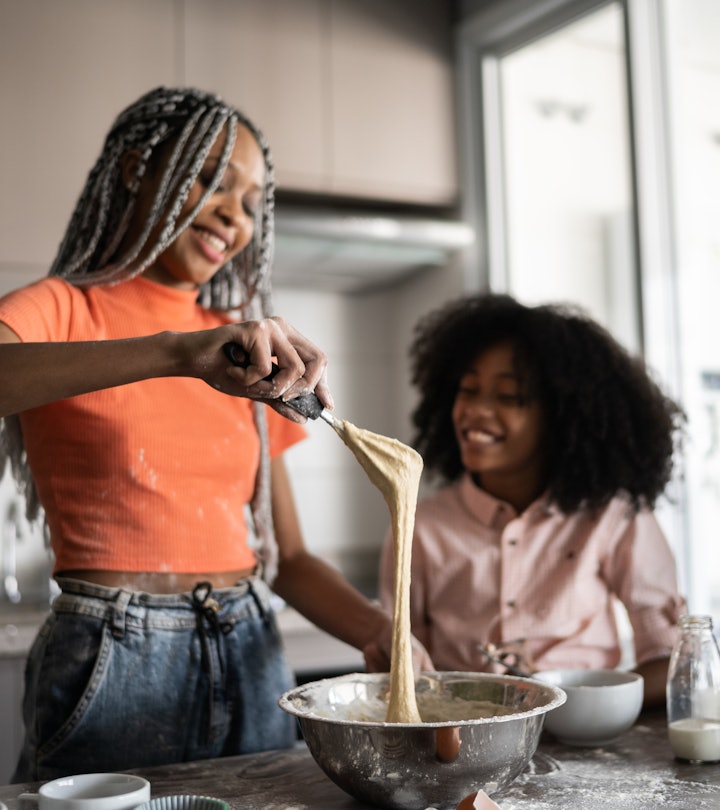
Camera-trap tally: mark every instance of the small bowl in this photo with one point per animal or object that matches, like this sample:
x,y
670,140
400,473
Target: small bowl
x,y
184,803
412,766
601,704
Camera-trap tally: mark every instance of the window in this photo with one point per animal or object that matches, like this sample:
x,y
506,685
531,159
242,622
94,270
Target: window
x,y
591,139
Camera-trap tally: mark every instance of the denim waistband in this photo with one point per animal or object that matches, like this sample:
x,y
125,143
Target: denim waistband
x,y
122,607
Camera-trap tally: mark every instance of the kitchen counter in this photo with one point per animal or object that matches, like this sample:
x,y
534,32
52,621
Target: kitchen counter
x,y
637,772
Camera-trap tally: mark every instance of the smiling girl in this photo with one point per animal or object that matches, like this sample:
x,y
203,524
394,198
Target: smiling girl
x,y
553,445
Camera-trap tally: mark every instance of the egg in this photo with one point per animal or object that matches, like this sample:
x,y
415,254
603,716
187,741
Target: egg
x,y
477,801
468,803
447,743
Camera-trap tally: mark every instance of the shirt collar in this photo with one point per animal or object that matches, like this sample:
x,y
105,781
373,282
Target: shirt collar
x,y
180,305
494,512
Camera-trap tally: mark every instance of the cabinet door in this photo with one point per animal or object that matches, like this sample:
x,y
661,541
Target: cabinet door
x,y
355,98
392,100
66,70
267,57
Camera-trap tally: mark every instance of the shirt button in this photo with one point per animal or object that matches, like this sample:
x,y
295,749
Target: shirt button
x,y
510,603
512,542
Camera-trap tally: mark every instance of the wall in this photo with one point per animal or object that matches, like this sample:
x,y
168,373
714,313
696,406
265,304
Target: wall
x,y
366,338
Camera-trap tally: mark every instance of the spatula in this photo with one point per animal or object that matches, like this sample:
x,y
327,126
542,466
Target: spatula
x,y
308,404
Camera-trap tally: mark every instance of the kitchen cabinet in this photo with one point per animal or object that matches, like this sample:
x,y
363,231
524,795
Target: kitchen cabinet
x,y
392,112
356,97
66,70
267,58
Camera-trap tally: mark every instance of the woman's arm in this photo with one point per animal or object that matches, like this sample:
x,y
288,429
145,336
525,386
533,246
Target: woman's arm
x,y
34,374
322,594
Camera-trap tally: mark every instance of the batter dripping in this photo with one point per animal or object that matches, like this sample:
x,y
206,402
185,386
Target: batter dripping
x,y
395,469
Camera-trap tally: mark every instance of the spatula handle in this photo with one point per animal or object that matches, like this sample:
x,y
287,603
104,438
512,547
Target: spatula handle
x,y
308,404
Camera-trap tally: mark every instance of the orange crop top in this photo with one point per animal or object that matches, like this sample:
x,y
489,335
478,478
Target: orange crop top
x,y
152,476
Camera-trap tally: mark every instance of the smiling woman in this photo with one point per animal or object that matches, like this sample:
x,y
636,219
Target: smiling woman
x,y
157,463
162,160
222,226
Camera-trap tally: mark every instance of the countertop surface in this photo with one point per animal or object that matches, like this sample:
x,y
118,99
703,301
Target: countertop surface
x,y
18,627
637,772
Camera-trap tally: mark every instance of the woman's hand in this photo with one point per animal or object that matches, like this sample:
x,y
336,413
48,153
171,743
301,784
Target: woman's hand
x,y
302,365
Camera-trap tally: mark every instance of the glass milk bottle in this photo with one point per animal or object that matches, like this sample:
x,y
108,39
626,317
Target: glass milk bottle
x,y
693,692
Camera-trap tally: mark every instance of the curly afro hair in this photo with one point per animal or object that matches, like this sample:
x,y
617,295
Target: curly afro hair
x,y
610,428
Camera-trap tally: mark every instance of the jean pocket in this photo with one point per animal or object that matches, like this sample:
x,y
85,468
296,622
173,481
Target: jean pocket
x,y
73,668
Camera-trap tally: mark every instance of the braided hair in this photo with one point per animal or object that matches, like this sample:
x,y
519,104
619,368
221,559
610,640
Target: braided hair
x,y
609,427
172,130
180,125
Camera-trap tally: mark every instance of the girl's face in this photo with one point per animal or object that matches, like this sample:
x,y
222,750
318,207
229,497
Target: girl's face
x,y
498,426
224,225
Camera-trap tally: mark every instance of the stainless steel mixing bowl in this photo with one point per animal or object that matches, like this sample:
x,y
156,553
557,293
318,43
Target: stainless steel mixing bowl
x,y
435,763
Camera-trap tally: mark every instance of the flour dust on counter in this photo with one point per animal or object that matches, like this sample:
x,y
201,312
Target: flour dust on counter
x,y
563,778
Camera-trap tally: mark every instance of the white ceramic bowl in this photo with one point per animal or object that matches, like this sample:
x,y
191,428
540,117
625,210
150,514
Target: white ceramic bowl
x,y
601,704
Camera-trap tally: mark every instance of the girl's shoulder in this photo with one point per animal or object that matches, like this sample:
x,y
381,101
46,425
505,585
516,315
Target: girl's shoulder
x,y
618,517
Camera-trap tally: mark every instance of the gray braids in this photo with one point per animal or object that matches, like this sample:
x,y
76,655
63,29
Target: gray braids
x,y
185,121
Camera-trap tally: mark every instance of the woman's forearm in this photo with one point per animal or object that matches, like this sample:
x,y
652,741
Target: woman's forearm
x,y
35,374
322,595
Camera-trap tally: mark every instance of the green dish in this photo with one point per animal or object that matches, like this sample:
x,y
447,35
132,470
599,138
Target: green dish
x,y
184,803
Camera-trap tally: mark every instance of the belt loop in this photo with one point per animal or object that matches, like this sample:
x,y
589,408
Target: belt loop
x,y
264,609
120,603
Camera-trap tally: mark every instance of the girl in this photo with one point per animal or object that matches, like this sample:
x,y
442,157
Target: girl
x,y
162,645
554,445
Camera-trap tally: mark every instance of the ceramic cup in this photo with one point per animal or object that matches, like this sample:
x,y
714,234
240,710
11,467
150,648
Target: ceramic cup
x,y
89,791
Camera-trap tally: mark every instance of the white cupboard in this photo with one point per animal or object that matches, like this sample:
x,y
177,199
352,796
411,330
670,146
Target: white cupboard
x,y
392,106
356,98
66,69
268,57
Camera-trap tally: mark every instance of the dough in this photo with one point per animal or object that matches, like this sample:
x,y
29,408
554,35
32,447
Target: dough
x,y
395,469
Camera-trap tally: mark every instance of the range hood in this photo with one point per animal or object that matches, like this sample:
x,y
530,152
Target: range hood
x,y
349,250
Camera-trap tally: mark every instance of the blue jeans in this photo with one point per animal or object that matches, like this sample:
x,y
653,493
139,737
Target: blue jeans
x,y
118,680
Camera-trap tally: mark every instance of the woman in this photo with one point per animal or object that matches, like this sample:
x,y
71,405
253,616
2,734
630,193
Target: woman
x,y
163,645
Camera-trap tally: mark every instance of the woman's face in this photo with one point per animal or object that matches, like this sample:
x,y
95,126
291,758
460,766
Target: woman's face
x,y
498,426
224,225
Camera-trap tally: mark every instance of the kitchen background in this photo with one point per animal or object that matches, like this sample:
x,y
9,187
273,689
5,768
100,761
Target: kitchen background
x,y
558,149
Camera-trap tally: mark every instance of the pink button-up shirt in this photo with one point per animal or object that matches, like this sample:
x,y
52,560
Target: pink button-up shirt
x,y
543,581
